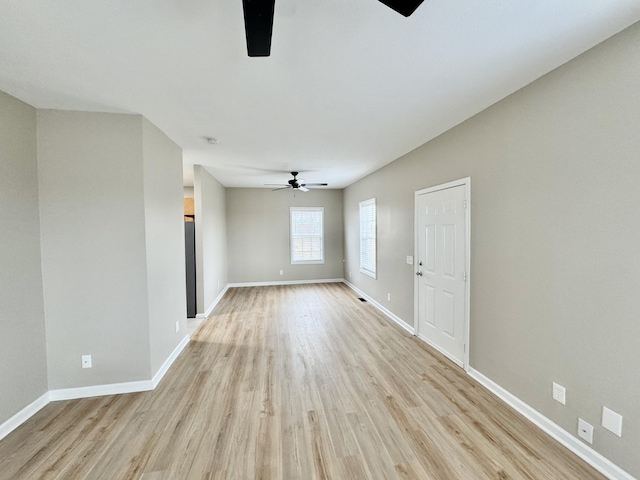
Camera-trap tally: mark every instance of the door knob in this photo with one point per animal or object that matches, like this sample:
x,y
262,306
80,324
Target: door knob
x,y
419,274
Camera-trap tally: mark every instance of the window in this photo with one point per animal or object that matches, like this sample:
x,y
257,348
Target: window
x,y
368,237
307,235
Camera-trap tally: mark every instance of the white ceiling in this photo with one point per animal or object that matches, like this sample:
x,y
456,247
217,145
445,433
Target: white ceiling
x,y
350,85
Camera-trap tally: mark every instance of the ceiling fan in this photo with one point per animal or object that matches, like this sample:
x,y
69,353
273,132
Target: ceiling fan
x,y
258,21
295,183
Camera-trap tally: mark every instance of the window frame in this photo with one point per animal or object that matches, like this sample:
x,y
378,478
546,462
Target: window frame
x,y
363,268
291,237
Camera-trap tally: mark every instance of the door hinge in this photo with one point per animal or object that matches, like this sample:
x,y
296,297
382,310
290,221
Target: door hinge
x,y
465,276
465,348
465,204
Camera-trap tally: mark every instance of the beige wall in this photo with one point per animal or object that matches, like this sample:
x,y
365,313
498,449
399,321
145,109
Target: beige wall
x,y
111,212
258,238
164,240
554,241
92,250
23,361
93,247
211,238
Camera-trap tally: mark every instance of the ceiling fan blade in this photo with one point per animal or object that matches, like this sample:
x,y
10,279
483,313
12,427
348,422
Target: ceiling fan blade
x,y
258,25
403,7
276,185
315,184
282,188
303,188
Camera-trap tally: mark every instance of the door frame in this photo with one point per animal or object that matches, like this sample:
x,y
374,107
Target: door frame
x,y
416,311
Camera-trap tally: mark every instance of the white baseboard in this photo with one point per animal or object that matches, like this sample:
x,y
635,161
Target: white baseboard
x,y
588,454
23,415
100,390
286,282
388,313
169,361
119,388
209,310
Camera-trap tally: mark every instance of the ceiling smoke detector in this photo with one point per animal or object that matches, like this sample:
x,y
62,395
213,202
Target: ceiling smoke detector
x,y
212,141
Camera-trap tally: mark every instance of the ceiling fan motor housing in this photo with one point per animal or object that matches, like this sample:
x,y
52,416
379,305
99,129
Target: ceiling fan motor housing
x,y
294,181
295,184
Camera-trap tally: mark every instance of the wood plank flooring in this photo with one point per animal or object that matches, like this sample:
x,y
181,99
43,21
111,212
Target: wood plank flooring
x,y
292,382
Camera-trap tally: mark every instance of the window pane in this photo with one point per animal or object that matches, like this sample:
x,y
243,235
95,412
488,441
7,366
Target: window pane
x,y
368,237
307,235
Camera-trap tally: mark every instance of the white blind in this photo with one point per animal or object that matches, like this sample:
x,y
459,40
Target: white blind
x,y
307,235
368,237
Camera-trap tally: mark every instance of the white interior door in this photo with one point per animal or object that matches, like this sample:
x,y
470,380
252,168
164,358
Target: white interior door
x,y
442,295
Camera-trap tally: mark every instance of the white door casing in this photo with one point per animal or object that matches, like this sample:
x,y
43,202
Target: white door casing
x,y
442,269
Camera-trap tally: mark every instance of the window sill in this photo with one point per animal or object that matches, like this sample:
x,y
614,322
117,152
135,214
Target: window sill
x,y
368,273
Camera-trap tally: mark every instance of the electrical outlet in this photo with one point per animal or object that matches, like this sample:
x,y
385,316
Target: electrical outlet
x,y
388,297
281,272
177,326
559,393
349,274
612,421
409,260
86,361
585,430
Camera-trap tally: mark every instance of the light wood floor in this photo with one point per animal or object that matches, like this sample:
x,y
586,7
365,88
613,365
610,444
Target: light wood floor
x,y
296,382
